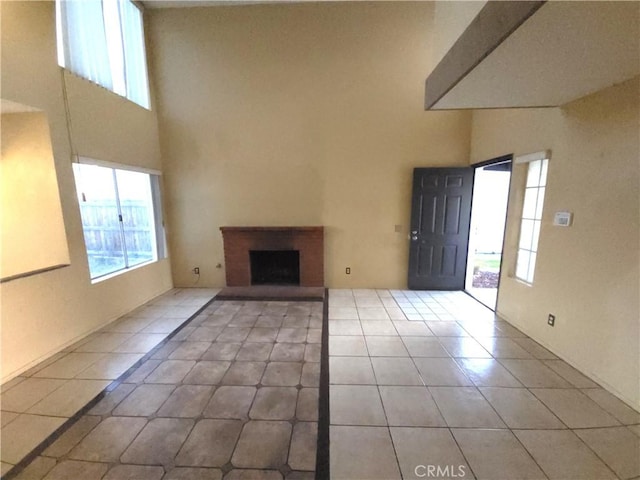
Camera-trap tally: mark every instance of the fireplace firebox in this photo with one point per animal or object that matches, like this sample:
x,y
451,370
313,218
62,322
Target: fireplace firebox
x,y
275,267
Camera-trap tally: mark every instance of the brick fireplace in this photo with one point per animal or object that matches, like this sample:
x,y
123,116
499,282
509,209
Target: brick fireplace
x,y
240,242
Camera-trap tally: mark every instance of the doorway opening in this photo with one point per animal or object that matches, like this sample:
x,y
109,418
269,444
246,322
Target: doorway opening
x,y
486,236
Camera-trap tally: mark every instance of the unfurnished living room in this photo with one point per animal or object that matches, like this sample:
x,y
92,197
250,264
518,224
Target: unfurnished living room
x,y
296,240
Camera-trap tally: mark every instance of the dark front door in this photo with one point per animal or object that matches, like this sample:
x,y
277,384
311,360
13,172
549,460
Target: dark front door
x,y
440,215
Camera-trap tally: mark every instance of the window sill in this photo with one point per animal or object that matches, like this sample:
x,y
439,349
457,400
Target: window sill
x,y
522,282
124,271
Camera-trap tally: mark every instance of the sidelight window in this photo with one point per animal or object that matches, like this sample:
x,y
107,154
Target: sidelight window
x,y
531,219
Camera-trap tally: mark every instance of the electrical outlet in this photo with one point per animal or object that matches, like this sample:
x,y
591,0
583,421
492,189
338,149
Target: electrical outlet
x,y
551,320
196,270
347,271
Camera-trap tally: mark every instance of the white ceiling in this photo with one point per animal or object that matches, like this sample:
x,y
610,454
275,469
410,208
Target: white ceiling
x,y
565,51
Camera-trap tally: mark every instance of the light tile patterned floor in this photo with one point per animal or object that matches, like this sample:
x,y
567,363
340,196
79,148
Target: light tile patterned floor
x,y
423,385
40,400
433,385
234,393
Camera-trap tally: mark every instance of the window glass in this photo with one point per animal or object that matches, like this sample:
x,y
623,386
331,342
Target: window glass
x,y
531,220
100,219
530,202
532,267
533,176
522,268
539,203
136,205
526,233
121,217
543,173
536,233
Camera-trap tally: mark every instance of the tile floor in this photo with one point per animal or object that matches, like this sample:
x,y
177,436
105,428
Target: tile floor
x,y
422,385
233,393
39,401
433,385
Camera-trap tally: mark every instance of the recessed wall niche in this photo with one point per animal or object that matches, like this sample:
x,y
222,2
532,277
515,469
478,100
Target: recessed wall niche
x,y
33,234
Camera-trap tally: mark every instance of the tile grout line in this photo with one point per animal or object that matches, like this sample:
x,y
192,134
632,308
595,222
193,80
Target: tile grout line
x,y
507,335
510,430
528,389
228,466
325,337
384,410
446,425
449,429
35,452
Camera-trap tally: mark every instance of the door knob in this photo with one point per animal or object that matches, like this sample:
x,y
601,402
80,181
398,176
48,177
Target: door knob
x,y
414,237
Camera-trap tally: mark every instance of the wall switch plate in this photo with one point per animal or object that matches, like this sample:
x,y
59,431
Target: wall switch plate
x,y
551,320
196,270
347,271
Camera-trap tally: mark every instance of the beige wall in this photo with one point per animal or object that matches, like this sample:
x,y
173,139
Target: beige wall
x,y
43,313
450,20
588,274
312,114
33,235
298,115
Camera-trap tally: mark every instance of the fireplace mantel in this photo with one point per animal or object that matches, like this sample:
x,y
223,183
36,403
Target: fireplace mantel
x,y
239,241
271,229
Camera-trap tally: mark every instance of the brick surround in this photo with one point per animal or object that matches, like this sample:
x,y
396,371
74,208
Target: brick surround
x,y
238,241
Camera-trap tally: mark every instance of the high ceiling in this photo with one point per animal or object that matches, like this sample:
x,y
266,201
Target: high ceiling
x,y
564,51
208,3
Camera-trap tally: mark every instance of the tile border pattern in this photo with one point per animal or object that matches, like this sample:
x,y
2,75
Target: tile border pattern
x,y
323,463
31,456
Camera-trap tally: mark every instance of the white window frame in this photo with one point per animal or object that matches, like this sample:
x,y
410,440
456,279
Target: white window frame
x,y
160,250
103,41
531,214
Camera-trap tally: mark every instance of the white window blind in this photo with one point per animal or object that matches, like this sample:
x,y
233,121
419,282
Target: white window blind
x,y
103,41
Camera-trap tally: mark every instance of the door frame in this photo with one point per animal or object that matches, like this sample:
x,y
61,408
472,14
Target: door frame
x,y
486,163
